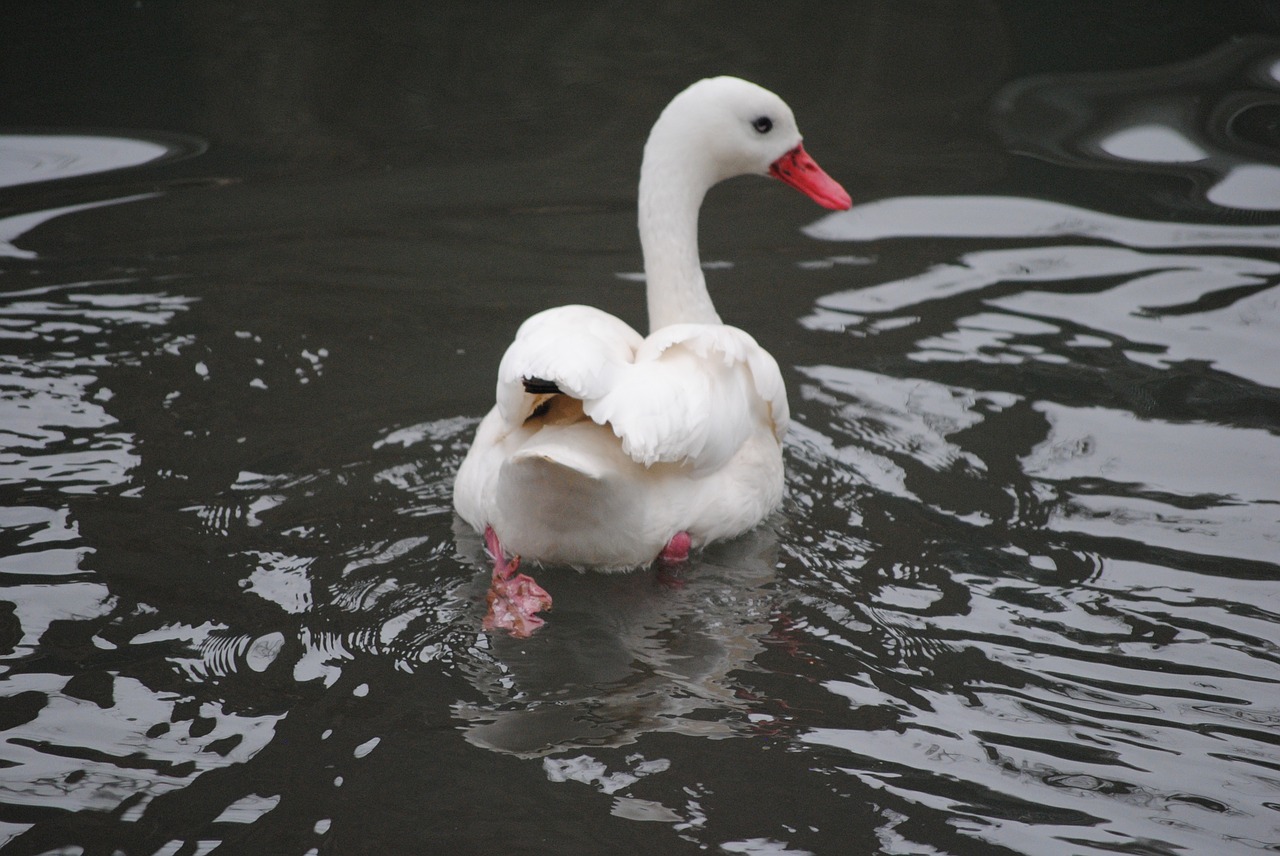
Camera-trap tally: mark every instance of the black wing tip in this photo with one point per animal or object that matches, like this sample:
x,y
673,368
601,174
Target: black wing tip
x,y
540,386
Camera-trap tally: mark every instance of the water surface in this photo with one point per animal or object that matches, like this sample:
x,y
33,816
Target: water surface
x,y
256,273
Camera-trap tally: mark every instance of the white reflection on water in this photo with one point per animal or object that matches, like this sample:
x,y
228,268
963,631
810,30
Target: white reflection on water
x,y
1018,217
1150,307
105,750
1191,119
281,579
53,425
247,809
889,424
1155,309
1252,186
1094,743
1154,142
1121,679
28,158
17,225
1116,477
56,438
31,158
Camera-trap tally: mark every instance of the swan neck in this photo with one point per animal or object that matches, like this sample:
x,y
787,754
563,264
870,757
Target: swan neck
x,y
671,194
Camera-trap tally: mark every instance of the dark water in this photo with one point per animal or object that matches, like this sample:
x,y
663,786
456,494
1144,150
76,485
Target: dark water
x,y
256,272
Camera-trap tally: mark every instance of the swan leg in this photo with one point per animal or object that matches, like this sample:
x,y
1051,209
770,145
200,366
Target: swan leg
x,y
671,561
513,598
677,549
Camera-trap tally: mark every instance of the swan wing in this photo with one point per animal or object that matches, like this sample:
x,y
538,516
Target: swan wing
x,y
577,350
688,394
693,395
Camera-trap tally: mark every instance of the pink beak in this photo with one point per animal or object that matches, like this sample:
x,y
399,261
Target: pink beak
x,y
802,172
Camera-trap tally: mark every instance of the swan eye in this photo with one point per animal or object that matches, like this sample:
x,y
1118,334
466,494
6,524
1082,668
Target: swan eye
x,y
764,124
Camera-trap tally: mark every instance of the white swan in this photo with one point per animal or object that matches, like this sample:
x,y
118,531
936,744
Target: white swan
x,y
607,449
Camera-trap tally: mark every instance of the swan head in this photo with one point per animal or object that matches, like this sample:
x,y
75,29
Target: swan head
x,y
721,127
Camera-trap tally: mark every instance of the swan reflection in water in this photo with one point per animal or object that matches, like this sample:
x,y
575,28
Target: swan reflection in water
x,y
623,655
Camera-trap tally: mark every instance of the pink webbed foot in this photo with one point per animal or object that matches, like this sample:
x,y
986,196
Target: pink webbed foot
x,y
513,598
672,559
677,549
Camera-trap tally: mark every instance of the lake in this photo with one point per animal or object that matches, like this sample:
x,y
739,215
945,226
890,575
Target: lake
x,y
258,265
